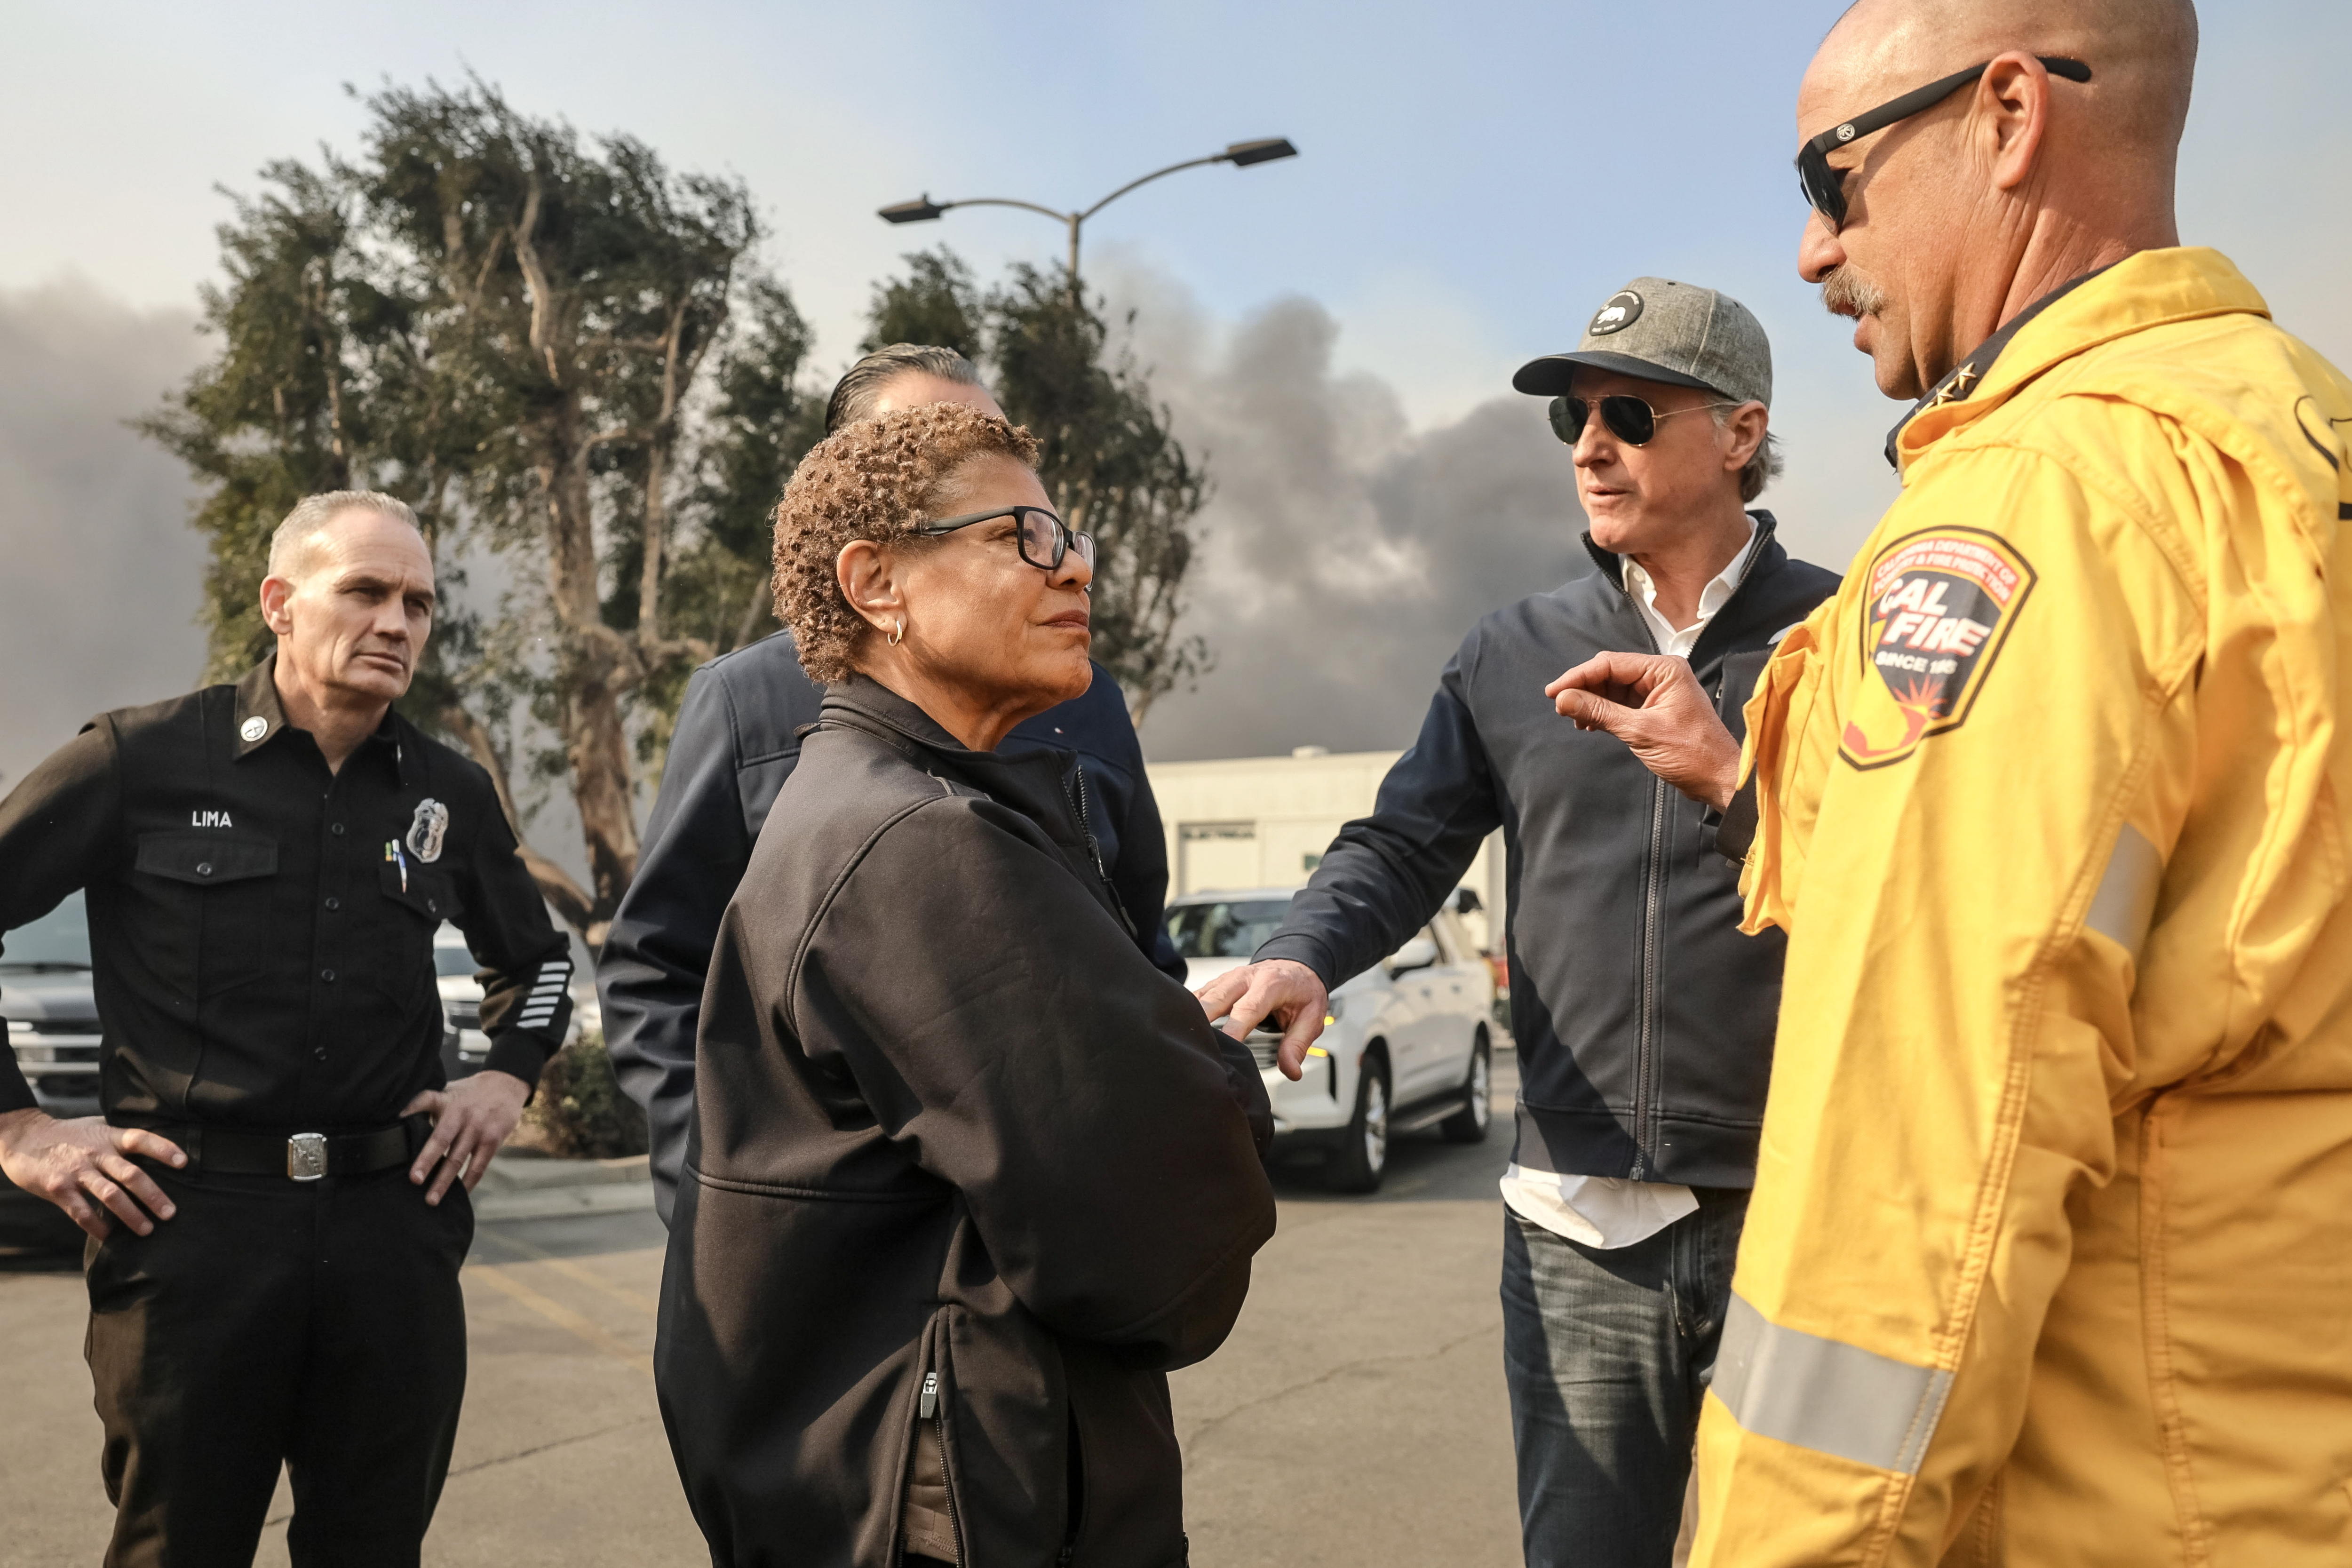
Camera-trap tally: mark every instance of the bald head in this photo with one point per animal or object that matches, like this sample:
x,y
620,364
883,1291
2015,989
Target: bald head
x,y
2142,55
1962,214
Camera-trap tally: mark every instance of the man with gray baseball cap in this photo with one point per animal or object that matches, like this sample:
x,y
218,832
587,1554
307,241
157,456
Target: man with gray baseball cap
x,y
1644,1019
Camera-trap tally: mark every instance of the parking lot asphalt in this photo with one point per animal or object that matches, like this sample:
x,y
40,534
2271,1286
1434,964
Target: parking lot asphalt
x,y
1356,1416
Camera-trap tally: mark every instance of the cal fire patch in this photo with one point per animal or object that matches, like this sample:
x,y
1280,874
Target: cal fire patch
x,y
1940,605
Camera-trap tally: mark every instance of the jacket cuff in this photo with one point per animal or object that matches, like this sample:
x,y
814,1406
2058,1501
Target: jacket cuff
x,y
521,1053
1730,832
1303,950
16,1094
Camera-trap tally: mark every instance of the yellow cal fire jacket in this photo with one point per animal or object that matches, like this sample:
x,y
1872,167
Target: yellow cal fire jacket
x,y
2050,1255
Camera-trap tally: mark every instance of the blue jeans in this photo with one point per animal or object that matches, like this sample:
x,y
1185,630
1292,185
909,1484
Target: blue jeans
x,y
1608,1354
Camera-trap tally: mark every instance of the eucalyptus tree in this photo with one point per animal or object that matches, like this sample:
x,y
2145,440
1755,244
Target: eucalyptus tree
x,y
515,329
1111,459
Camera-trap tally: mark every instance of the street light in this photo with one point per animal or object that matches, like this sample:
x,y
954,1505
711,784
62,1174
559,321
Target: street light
x,y
1241,155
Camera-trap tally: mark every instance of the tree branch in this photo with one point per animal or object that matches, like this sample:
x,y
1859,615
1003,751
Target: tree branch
x,y
534,273
554,885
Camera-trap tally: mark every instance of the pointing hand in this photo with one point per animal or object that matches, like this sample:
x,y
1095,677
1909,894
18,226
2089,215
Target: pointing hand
x,y
1656,705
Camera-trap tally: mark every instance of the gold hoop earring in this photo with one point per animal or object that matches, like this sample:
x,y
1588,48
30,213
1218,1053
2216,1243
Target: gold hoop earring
x,y
898,633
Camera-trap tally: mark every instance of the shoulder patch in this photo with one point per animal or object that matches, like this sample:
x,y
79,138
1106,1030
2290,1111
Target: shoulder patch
x,y
1940,605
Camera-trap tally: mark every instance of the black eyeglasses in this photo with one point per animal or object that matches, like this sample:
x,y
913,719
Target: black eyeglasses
x,y
1045,540
1629,420
1824,186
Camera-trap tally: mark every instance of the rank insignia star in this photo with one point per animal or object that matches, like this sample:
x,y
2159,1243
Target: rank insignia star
x,y
1954,389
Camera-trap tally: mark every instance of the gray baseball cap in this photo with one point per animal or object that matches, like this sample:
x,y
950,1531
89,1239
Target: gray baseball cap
x,y
1659,329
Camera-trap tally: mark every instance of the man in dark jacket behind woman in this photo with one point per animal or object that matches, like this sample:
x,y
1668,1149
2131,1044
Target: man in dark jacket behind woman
x,y
968,1173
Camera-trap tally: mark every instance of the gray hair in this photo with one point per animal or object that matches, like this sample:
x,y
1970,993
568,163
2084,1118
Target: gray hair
x,y
858,391
1763,467
289,546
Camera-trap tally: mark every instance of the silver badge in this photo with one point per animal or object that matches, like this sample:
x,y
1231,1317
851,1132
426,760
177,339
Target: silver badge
x,y
424,834
253,729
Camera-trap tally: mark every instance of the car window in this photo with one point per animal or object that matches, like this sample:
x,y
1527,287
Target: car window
x,y
1443,934
450,956
1217,928
60,937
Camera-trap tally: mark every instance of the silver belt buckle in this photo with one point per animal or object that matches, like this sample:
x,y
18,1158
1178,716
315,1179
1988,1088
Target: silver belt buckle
x,y
306,1156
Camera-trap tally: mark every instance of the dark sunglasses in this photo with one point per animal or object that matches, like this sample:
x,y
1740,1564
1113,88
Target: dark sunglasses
x,y
1629,420
1044,539
1825,187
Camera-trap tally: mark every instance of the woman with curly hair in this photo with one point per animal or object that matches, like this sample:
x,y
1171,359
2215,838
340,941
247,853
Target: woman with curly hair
x,y
968,1173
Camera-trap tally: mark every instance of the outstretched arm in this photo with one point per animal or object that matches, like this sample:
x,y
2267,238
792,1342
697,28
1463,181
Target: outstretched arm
x,y
1379,882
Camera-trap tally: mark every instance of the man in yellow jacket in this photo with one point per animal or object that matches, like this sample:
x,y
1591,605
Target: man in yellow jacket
x,y
2050,1256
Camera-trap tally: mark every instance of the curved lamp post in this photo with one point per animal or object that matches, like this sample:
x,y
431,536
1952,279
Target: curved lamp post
x,y
1241,155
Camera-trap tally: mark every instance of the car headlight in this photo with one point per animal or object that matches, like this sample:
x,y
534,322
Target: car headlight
x,y
1334,1010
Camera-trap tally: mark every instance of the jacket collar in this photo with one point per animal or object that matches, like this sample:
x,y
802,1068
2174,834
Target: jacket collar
x,y
861,697
1043,784
2148,288
1033,781
1763,553
259,718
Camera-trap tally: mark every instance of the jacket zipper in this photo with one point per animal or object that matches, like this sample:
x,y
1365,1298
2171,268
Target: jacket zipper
x,y
1644,1053
928,1409
1075,788
1653,896
1646,1062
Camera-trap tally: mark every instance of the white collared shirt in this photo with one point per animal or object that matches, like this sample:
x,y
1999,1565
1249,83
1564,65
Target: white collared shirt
x,y
1610,1212
1710,599
1607,1212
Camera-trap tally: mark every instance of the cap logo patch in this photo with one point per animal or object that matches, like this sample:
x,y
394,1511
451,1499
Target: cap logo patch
x,y
1941,607
253,729
1621,311
425,833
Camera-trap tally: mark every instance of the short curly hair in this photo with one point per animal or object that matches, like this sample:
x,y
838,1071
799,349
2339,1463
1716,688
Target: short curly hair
x,y
877,480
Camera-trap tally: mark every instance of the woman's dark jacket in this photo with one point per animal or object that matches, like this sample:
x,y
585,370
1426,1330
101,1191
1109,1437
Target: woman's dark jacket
x,y
950,1121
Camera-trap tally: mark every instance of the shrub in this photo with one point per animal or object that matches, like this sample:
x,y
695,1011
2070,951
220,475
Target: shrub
x,y
580,1112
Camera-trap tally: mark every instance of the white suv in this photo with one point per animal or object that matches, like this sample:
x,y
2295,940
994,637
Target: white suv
x,y
1407,1042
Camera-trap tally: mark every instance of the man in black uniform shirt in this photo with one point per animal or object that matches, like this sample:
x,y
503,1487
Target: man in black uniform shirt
x,y
737,740
272,1280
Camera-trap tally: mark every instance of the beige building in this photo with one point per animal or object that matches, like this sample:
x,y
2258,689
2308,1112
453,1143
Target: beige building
x,y
1264,822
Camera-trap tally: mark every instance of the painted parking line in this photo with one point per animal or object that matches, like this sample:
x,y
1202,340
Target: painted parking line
x,y
562,1316
571,1270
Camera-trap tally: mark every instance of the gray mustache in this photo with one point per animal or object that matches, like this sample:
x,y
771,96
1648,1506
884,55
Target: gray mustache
x,y
1846,293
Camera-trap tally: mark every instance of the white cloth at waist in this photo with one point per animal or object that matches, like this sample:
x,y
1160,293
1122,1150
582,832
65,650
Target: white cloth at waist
x,y
1606,1212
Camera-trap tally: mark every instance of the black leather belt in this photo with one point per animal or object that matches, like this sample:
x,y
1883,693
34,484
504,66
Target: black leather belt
x,y
298,1156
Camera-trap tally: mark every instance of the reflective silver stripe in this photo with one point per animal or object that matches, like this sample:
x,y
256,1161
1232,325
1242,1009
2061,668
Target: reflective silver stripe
x,y
1832,1398
2126,901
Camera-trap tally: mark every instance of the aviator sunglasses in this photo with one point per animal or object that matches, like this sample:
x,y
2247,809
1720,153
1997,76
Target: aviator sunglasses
x,y
1824,186
1629,420
1045,540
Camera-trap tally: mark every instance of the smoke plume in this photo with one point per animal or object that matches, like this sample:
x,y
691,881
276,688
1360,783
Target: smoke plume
x,y
1345,555
100,593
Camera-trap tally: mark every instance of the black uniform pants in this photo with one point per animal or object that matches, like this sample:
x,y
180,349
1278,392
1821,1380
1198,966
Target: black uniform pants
x,y
316,1324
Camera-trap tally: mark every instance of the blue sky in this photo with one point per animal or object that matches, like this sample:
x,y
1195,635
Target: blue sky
x,y
1474,178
